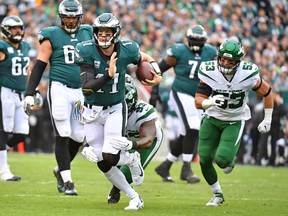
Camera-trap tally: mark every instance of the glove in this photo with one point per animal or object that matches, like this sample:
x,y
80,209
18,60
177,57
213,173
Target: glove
x,y
89,154
155,96
28,104
264,126
38,99
216,100
121,143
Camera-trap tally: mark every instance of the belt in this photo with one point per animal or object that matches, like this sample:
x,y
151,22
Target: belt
x,y
90,106
68,86
15,91
72,87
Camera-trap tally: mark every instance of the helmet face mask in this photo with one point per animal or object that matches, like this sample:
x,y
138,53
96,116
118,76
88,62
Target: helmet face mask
x,y
70,9
10,22
131,97
233,51
196,37
107,20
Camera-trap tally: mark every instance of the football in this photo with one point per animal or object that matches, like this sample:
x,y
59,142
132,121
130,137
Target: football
x,y
143,71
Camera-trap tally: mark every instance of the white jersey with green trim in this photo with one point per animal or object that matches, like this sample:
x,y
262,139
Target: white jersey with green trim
x,y
234,91
143,112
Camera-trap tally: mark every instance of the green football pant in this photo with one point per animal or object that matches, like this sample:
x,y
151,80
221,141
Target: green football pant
x,y
219,141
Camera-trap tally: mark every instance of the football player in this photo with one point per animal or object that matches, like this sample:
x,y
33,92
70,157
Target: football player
x,y
57,48
185,58
103,62
223,94
143,133
14,62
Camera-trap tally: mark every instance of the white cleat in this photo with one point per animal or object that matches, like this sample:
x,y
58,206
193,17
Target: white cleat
x,y
216,200
135,203
228,169
136,169
6,175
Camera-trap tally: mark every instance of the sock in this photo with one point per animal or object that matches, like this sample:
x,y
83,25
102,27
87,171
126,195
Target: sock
x,y
216,188
3,158
187,157
66,175
117,178
171,157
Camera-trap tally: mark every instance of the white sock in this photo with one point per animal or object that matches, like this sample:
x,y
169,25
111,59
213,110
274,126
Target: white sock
x,y
125,158
117,178
216,188
171,157
187,157
66,175
3,158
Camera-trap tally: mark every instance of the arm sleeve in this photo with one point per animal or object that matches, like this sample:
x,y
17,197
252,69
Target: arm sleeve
x,y
89,83
35,77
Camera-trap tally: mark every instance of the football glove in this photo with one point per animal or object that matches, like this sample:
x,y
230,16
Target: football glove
x,y
121,143
216,100
38,99
28,104
265,125
89,154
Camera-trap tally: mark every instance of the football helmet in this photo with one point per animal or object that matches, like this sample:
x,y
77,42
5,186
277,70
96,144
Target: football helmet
x,y
131,97
129,79
230,49
196,37
70,8
107,20
9,22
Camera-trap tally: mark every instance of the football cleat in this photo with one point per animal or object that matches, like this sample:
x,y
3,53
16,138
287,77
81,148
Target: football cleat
x,y
114,195
135,203
216,200
70,189
163,171
6,175
60,183
188,175
136,169
229,168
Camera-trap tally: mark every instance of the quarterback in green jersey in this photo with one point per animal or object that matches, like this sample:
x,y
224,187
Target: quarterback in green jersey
x,y
143,134
103,62
185,60
223,94
57,48
14,62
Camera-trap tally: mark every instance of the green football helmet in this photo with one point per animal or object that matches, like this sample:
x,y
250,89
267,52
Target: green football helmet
x,y
107,20
70,8
196,37
230,49
131,97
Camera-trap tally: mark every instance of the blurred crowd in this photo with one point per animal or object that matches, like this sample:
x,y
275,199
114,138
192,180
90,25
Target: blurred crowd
x,y
260,25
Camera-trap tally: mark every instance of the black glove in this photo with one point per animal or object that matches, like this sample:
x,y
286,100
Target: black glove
x,y
155,96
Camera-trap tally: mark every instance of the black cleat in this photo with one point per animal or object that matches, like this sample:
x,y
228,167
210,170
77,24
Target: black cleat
x,y
14,178
163,171
187,174
114,195
70,189
60,183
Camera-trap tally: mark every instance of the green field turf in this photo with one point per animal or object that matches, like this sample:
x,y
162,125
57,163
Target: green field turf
x,y
248,190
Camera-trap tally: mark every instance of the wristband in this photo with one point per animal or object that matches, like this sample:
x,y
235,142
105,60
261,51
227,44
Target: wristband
x,y
134,145
155,67
268,114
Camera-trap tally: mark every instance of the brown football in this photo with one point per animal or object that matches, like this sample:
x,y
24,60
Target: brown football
x,y
143,71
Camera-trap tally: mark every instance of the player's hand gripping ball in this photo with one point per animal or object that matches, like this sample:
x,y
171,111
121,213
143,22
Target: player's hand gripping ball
x,y
143,71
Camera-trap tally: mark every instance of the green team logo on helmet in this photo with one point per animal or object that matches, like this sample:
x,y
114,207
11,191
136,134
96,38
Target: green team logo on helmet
x,y
131,97
230,49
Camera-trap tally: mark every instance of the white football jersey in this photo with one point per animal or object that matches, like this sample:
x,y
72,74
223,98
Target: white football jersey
x,y
143,112
235,91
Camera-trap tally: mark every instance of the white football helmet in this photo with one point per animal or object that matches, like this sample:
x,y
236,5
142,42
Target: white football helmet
x,y
9,22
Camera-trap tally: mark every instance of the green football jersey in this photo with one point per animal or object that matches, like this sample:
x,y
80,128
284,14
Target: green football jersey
x,y
62,66
13,69
186,69
113,92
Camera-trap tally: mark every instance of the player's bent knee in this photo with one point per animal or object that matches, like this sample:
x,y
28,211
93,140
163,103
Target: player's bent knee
x,y
222,161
